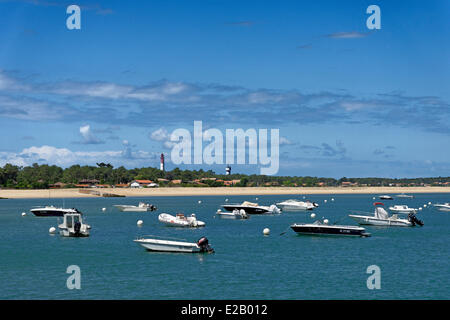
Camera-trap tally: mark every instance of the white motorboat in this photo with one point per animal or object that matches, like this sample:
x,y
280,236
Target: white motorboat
x,y
443,206
321,228
404,196
382,218
296,205
163,245
141,207
52,211
252,208
386,197
180,220
73,226
402,209
235,214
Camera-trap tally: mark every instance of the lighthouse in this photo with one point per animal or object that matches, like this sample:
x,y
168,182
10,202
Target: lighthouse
x,y
161,165
228,170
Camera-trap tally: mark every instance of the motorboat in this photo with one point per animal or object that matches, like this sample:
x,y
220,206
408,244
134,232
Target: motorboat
x,y
322,228
164,245
442,207
382,218
252,208
52,211
235,214
141,207
404,196
180,220
73,226
386,197
402,209
296,205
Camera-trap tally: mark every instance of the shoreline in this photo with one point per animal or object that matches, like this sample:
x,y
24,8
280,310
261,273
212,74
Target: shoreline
x,y
218,191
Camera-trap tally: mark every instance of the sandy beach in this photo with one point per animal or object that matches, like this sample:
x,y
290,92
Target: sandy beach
x,y
226,191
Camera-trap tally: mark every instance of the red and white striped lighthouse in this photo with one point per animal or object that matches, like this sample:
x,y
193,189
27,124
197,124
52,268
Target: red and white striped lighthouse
x,y
161,165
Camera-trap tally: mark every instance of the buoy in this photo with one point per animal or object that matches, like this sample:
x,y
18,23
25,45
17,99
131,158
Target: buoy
x,y
325,200
219,211
24,214
420,208
424,205
304,197
140,223
52,230
429,203
226,200
103,209
325,221
373,198
256,198
313,215
332,199
199,201
266,231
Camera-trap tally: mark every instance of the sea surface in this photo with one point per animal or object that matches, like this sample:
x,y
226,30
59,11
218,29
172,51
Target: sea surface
x,y
414,262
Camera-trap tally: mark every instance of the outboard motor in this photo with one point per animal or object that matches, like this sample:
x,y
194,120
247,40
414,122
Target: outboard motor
x,y
274,209
414,220
77,227
203,243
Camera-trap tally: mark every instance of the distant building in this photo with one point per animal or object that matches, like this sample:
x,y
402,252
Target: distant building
x,y
141,183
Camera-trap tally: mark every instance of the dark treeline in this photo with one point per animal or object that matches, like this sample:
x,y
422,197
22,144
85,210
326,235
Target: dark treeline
x,y
44,176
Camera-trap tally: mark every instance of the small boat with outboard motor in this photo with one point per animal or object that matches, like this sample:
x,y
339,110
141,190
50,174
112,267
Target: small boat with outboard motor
x,y
386,197
402,209
141,207
297,205
252,208
382,218
402,195
235,214
155,243
442,206
73,226
323,228
180,220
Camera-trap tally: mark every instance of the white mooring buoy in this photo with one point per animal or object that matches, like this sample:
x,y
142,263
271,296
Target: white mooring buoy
x,y
24,214
313,215
52,230
103,209
140,223
325,221
266,231
199,201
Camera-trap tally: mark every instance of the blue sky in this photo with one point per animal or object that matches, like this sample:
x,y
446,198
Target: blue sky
x,y
348,101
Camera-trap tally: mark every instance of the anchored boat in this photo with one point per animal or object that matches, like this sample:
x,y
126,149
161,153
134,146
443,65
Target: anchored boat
x,y
52,211
442,207
296,205
141,207
164,245
235,214
73,226
252,208
180,220
320,228
402,209
382,218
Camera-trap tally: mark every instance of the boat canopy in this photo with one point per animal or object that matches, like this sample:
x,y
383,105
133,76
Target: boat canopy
x,y
380,213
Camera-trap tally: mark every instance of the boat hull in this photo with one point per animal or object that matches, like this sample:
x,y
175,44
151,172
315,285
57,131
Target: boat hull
x,y
329,230
247,209
168,246
366,220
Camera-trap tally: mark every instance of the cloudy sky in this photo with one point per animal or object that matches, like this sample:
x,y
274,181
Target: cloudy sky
x,y
348,101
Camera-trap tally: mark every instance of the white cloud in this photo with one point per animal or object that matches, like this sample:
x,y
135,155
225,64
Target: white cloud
x,y
88,136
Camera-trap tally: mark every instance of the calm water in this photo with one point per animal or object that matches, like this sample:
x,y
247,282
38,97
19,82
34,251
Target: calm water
x,y
414,262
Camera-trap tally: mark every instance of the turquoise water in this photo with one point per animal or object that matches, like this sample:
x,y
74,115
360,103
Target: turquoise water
x,y
414,262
